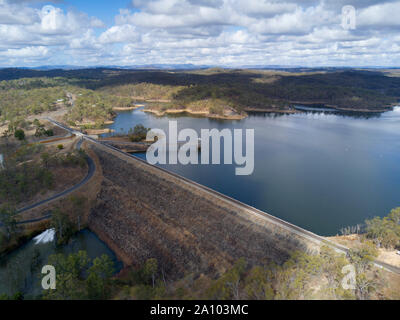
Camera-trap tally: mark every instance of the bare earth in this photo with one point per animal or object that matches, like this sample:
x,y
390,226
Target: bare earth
x,y
228,116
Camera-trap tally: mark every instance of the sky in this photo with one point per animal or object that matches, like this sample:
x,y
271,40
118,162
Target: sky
x,y
227,33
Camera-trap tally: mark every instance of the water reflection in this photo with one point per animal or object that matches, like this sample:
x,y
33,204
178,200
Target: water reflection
x,y
20,271
319,170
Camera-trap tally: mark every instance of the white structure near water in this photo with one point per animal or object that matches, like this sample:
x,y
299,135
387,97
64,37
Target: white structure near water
x,y
45,237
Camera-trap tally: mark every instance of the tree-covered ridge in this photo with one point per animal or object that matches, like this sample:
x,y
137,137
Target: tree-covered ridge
x,y
20,103
32,96
347,89
98,91
143,90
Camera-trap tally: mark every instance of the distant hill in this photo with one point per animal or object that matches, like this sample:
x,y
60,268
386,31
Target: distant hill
x,y
342,88
146,67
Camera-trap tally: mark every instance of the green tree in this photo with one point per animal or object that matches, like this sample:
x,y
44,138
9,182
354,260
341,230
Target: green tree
x,y
49,132
99,274
70,276
19,134
150,269
234,277
45,156
366,285
258,284
36,123
228,285
40,131
7,220
63,226
363,257
17,296
139,133
385,231
78,204
394,216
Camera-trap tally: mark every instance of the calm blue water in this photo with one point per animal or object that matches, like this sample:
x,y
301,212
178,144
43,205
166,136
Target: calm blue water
x,y
20,271
321,171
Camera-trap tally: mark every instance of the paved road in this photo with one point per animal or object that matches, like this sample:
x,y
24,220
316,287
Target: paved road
x,y
272,219
91,171
55,138
45,217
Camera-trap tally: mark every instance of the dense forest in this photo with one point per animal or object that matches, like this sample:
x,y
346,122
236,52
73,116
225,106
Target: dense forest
x,y
98,90
302,276
26,97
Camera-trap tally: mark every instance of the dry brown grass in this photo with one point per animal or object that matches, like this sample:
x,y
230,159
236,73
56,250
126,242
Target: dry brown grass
x,y
88,191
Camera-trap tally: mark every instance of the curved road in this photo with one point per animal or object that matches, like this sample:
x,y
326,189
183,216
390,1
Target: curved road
x,y
272,219
91,171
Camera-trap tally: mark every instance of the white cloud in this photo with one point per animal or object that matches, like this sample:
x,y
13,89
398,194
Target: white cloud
x,y
229,32
27,52
386,14
122,33
16,14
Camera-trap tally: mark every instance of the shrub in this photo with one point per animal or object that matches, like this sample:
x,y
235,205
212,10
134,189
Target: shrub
x,y
139,133
19,134
218,110
40,131
49,133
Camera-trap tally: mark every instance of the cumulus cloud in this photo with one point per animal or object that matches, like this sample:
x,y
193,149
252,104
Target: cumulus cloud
x,y
122,33
380,15
15,14
27,52
214,32
30,34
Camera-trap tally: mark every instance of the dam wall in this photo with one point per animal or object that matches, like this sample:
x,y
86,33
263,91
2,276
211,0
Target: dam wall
x,y
143,212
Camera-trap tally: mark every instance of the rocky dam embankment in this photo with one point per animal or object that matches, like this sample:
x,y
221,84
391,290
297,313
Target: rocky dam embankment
x,y
142,212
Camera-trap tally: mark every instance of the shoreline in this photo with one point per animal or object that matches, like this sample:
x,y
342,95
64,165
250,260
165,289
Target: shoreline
x,y
198,113
134,107
206,114
364,110
335,107
271,110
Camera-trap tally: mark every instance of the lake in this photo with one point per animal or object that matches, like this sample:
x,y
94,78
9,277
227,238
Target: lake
x,y
319,170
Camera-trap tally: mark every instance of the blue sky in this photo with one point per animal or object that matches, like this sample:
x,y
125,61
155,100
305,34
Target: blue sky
x,y
106,10
202,32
